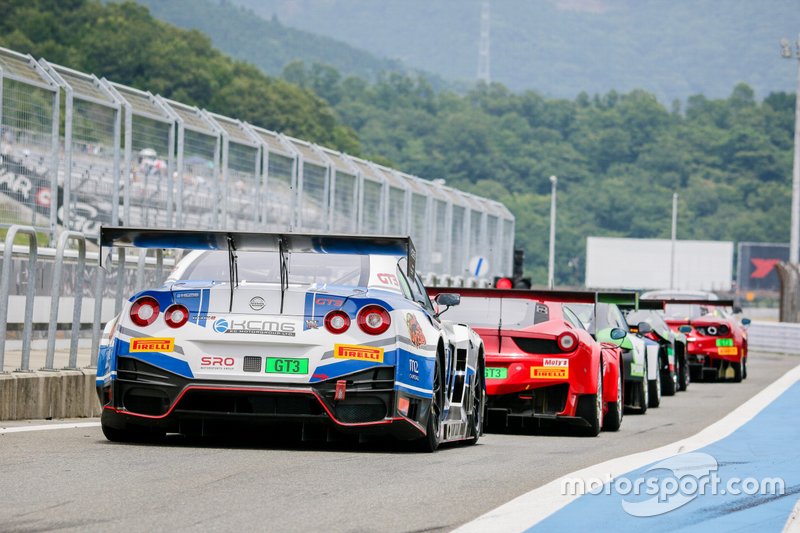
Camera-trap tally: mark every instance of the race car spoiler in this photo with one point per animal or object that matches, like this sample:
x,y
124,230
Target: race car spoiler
x,y
690,301
238,241
655,305
590,297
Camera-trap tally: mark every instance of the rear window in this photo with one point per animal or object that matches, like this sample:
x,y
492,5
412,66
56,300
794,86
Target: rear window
x,y
264,267
480,312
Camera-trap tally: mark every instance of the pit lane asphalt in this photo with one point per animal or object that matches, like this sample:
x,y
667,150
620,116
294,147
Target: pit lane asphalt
x,y
73,479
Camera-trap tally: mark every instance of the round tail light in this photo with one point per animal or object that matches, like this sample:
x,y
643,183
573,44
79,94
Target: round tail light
x,y
176,315
374,319
144,311
567,341
337,322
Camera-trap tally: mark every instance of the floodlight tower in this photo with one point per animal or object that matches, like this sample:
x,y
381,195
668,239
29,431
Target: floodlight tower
x,y
483,48
794,242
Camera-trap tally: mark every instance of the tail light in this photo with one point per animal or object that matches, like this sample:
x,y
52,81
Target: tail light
x,y
374,319
503,283
337,322
144,311
567,341
176,315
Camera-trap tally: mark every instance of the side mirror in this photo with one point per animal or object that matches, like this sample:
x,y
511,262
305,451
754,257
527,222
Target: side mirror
x,y
644,327
685,329
618,333
746,321
737,310
448,299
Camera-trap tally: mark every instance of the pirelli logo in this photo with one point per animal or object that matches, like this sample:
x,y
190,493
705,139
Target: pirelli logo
x,y
727,350
549,372
360,353
152,345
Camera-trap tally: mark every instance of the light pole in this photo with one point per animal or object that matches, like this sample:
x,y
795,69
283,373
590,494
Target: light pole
x,y
674,237
794,242
551,261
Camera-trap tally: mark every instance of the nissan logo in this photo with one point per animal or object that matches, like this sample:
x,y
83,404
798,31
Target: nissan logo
x,y
257,303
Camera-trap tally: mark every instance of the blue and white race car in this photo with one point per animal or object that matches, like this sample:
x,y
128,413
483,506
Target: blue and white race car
x,y
265,327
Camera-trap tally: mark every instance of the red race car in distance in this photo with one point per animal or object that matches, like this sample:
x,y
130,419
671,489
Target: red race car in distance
x,y
716,340
541,363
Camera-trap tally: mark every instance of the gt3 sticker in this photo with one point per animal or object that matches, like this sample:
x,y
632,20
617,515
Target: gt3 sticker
x,y
549,372
415,331
360,353
152,344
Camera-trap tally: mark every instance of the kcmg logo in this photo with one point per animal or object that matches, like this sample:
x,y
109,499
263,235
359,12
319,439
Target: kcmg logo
x,y
221,325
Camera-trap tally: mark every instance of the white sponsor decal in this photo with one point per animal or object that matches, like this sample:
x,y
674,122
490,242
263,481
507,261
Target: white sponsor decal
x,y
555,362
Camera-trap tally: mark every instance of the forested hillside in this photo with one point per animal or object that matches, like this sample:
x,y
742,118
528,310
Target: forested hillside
x,y
269,44
125,44
671,48
618,157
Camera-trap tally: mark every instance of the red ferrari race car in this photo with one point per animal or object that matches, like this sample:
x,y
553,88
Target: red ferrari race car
x,y
716,340
541,363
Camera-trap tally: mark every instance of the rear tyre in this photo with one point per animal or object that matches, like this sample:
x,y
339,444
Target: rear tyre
x,y
683,376
744,368
475,419
129,435
643,392
613,418
430,442
593,411
737,371
669,380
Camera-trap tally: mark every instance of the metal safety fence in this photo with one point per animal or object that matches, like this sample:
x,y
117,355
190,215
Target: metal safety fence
x,y
45,290
78,152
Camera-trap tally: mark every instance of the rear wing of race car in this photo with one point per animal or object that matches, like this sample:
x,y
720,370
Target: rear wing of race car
x,y
688,301
524,294
237,241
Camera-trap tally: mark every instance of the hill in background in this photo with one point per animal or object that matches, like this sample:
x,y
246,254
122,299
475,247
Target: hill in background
x,y
670,48
270,45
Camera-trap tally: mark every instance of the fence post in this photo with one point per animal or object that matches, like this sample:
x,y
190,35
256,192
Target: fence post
x,y
55,298
5,286
140,269
99,289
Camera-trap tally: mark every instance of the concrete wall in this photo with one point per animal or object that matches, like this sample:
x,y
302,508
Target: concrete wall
x,y
45,394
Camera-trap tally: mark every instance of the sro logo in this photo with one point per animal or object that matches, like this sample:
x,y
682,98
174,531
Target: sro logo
x,y
224,362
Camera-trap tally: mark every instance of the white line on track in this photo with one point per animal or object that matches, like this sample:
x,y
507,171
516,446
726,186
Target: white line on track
x,y
532,507
46,427
793,524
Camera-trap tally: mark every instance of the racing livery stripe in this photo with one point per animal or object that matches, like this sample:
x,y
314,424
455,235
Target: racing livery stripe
x,y
428,393
171,364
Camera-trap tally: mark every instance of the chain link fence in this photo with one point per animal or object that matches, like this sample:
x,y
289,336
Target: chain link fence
x,y
78,152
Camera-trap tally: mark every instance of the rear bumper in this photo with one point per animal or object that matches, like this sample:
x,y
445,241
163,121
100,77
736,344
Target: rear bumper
x,y
146,396
553,402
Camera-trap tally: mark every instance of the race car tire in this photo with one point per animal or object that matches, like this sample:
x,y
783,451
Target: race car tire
x,y
643,392
669,380
476,417
613,418
129,435
684,377
744,368
592,411
430,442
737,372
696,373
654,392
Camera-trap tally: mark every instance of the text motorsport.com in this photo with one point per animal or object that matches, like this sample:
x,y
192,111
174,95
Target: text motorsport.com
x,y
679,480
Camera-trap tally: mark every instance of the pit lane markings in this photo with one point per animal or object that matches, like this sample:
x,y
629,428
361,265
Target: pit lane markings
x,y
527,510
46,427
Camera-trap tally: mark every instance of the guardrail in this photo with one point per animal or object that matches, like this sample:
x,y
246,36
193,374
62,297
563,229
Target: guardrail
x,y
774,337
33,268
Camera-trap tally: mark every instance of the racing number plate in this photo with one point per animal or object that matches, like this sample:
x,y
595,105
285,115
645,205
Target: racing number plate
x,y
496,373
724,342
286,365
